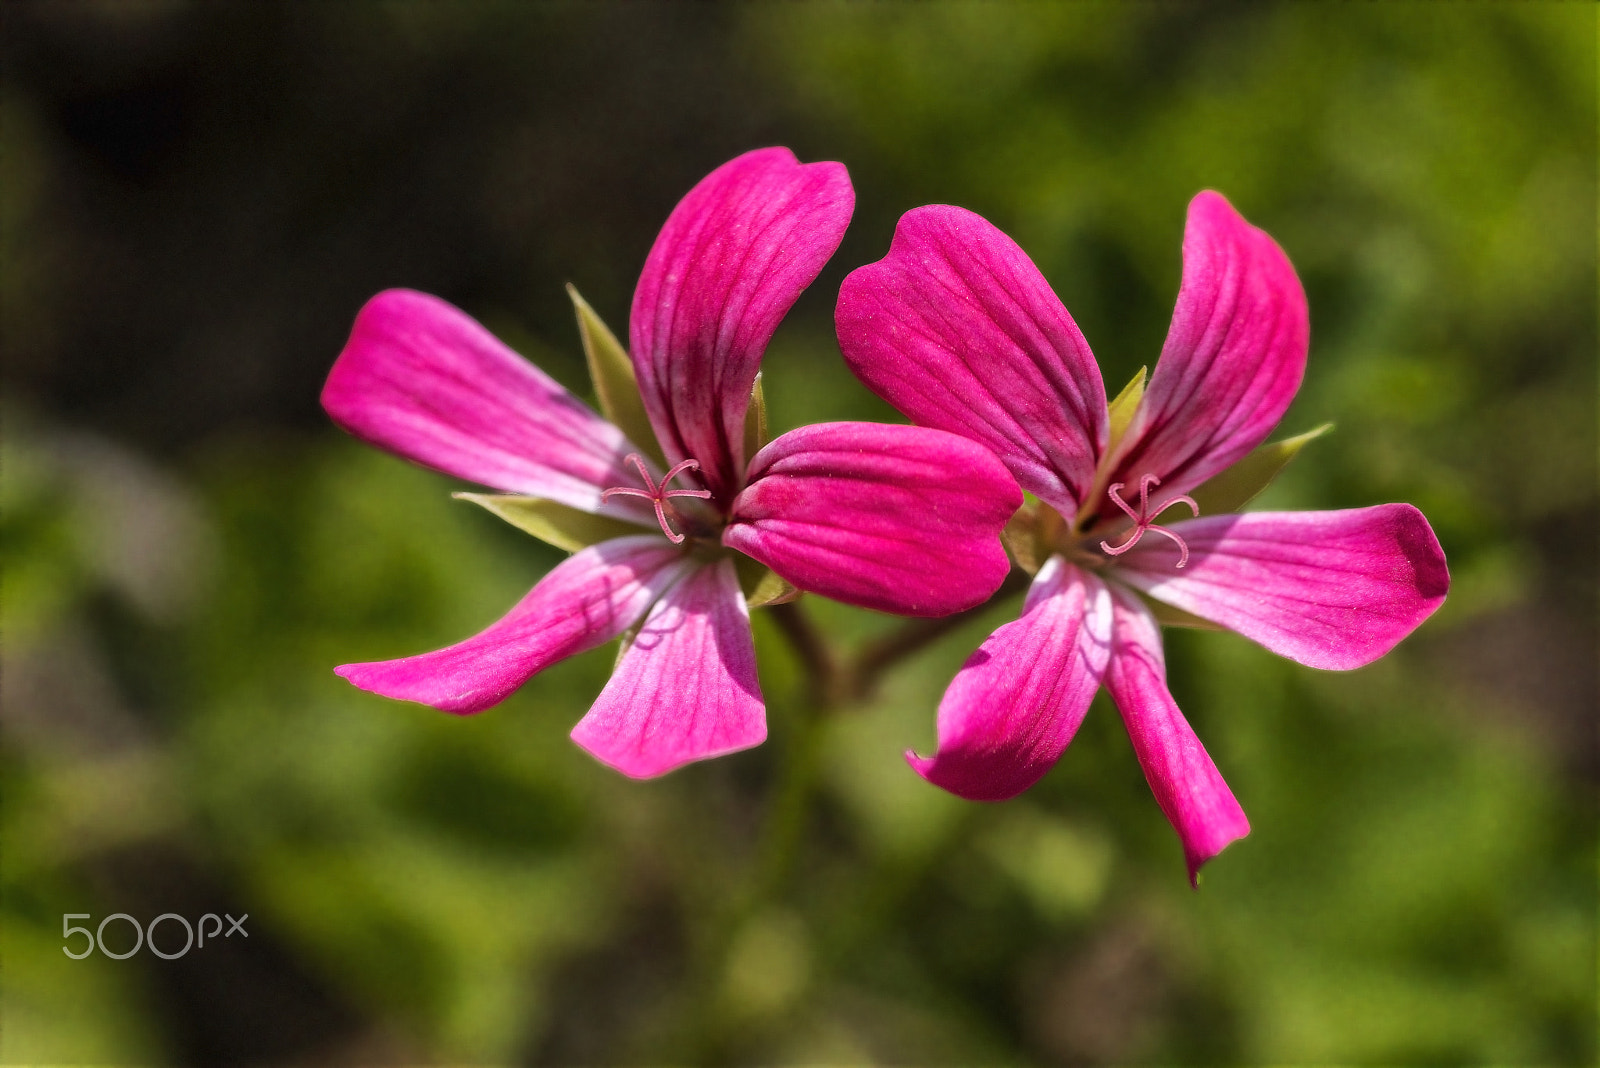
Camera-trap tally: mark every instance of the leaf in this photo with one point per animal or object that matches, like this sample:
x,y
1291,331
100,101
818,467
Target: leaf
x,y
755,421
561,526
1232,489
1122,408
615,385
762,585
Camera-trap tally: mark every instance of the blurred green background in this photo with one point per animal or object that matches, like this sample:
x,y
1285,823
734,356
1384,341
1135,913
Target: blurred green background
x,y
197,198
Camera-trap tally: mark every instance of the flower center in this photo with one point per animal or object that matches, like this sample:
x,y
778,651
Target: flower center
x,y
1144,519
658,494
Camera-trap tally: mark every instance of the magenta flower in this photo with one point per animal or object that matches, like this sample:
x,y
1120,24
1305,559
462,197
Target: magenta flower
x,y
958,329
901,519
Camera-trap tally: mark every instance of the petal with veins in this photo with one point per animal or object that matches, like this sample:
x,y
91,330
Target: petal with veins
x,y
589,599
423,379
1187,785
902,519
733,257
1328,589
686,688
1233,358
958,329
1015,705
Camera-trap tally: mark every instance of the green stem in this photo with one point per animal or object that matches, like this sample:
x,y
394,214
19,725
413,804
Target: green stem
x,y
830,685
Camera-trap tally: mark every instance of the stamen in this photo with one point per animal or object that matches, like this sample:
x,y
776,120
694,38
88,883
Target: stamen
x,y
658,494
1143,520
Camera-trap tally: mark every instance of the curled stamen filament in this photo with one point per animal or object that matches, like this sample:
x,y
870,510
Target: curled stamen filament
x,y
1144,520
658,494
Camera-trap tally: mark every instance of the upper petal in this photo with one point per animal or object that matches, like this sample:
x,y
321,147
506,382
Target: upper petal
x,y
1016,703
1329,589
686,688
423,379
903,519
589,599
1187,785
958,329
1233,358
733,257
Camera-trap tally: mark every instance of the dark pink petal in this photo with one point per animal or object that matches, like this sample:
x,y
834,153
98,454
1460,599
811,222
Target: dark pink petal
x,y
958,329
1016,703
1186,783
589,599
733,257
686,688
903,519
1329,589
1233,358
423,379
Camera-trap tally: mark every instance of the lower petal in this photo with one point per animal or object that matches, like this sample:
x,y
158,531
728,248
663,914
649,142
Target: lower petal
x,y
901,519
1017,702
1186,783
686,688
1328,589
588,600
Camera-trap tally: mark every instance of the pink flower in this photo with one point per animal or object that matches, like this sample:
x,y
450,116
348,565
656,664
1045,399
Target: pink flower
x,y
902,519
957,328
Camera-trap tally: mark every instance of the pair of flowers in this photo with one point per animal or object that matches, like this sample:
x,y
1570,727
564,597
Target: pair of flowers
x,y
681,515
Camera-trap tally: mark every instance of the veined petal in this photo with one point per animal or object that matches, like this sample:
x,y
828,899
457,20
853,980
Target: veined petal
x,y
686,688
1187,785
588,599
1016,703
423,379
1328,589
733,257
957,328
1233,358
902,519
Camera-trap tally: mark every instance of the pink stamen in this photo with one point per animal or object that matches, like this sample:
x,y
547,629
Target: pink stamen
x,y
658,494
1144,520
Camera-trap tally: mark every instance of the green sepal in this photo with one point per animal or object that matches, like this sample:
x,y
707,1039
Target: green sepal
x,y
755,421
1232,489
1168,616
1020,536
1121,409
615,386
561,526
762,585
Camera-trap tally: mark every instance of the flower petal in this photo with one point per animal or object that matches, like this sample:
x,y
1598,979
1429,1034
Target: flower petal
x,y
686,688
1186,783
902,519
423,379
1016,703
589,599
733,257
1233,358
957,328
1328,589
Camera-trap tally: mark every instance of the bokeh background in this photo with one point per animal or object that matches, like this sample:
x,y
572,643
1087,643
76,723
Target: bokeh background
x,y
196,200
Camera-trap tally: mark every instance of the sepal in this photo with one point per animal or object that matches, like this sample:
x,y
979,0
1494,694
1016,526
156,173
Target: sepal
x,y
615,385
1232,489
565,528
761,585
755,421
1120,410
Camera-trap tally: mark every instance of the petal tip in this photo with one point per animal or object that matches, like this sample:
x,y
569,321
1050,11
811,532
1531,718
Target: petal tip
x,y
1197,857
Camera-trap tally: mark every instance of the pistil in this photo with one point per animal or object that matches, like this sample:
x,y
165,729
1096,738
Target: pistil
x,y
658,494
1144,520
